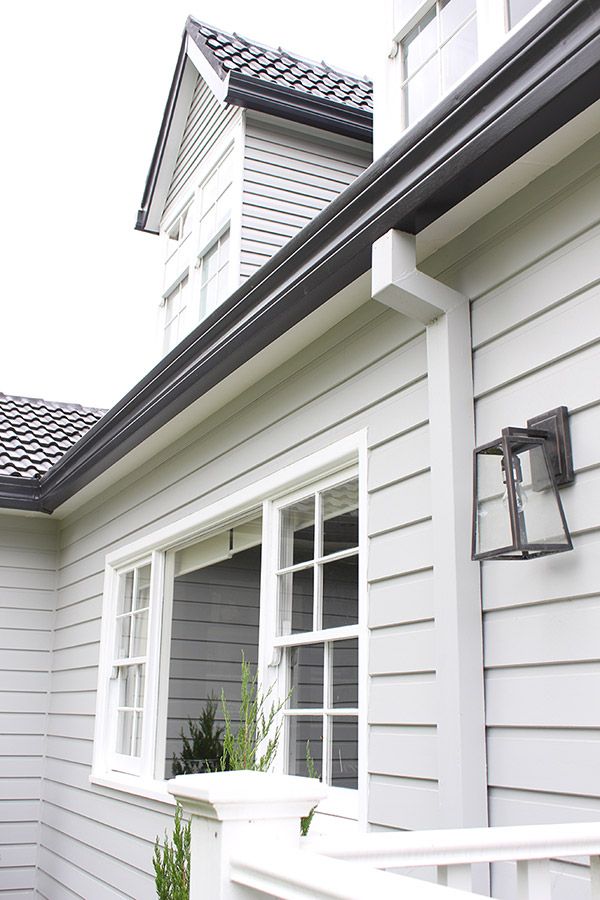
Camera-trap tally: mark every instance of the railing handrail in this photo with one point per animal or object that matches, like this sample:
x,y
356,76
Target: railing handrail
x,y
303,875
465,845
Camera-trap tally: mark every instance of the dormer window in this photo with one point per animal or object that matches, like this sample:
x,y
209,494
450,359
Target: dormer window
x,y
215,219
446,40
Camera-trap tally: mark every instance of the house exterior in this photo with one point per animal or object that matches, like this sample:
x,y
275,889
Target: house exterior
x,y
293,479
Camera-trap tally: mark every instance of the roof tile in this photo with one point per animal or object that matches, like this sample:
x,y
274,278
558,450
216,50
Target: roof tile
x,y
236,53
34,433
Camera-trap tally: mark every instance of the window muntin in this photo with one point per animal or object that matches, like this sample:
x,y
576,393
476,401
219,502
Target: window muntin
x,y
317,629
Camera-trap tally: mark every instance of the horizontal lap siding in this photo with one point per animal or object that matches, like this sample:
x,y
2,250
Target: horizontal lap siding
x,y
368,372
207,121
288,178
536,335
27,580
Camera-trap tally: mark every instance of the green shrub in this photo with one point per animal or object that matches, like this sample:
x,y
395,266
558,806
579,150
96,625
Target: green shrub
x,y
171,862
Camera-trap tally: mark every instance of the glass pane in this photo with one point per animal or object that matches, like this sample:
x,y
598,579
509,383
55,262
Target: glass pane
x,y
127,678
208,226
126,593
224,249
492,515
137,739
223,290
209,191
344,677
124,632
225,171
143,587
124,732
140,633
306,676
186,221
224,206
140,683
459,54
296,591
297,542
340,517
540,521
518,9
211,296
422,91
305,735
344,752
420,43
453,14
340,592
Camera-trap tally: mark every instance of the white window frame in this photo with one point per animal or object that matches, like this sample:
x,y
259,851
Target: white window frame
x,y
143,779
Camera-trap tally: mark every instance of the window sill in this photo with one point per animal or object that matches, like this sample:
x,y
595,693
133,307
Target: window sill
x,y
338,810
129,784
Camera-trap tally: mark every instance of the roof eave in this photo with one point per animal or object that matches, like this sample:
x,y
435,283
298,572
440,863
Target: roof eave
x,y
305,108
17,492
535,83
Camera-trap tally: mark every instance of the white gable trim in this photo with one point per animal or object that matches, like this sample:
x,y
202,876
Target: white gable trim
x,y
218,86
172,144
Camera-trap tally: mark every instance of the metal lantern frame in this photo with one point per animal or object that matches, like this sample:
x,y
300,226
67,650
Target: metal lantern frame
x,y
556,448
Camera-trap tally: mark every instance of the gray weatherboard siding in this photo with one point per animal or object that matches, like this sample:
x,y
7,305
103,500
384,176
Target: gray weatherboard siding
x,y
27,580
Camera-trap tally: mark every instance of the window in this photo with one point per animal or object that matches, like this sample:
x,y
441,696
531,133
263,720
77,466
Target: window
x,y
177,249
445,41
436,53
317,629
215,216
182,605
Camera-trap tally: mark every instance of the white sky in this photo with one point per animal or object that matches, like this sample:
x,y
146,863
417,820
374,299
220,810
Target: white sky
x,y
84,86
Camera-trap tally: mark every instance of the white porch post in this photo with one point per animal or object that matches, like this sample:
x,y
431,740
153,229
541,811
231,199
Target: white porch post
x,y
459,651
234,811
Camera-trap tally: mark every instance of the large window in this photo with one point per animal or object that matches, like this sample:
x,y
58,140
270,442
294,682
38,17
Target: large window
x,y
445,41
180,610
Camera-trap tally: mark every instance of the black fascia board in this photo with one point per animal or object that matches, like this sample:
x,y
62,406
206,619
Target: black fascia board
x,y
18,492
541,78
161,142
299,106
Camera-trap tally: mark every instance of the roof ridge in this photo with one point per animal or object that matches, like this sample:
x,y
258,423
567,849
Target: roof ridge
x,y
250,42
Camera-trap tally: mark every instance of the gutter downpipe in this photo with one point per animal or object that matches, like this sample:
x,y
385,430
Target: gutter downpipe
x,y
462,765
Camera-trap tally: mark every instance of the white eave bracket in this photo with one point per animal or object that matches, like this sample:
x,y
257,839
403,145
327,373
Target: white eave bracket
x,y
396,281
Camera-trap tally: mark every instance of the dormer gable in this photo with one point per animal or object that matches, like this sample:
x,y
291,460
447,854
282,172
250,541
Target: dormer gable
x,y
245,74
254,142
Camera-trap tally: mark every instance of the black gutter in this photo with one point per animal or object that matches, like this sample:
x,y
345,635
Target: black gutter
x,y
287,103
17,492
546,74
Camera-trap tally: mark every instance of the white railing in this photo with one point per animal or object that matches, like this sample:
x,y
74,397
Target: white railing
x,y
246,843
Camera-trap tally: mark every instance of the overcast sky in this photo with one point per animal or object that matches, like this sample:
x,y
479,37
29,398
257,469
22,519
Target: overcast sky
x,y
84,87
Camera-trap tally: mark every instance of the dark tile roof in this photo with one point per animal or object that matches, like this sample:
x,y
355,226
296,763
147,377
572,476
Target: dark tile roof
x,y
235,53
34,434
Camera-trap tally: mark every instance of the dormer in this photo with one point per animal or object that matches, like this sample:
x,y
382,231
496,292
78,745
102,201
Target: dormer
x,y
432,45
254,142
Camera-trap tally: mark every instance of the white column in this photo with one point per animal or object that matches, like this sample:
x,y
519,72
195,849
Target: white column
x,y
231,811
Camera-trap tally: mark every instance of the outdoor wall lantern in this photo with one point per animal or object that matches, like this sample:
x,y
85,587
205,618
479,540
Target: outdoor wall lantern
x,y
517,513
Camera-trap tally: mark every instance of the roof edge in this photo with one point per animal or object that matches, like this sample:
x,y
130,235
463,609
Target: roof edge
x,y
287,103
540,79
18,492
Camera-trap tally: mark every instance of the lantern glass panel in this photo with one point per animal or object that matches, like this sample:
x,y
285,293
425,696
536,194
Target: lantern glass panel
x,y
538,511
492,516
